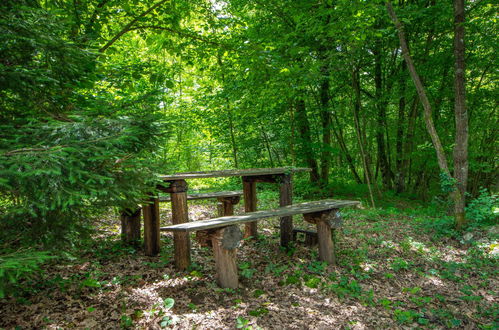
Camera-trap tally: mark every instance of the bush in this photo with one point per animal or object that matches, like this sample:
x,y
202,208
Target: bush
x,y
15,267
483,210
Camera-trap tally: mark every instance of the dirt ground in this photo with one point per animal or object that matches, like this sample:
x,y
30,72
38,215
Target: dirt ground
x,y
390,274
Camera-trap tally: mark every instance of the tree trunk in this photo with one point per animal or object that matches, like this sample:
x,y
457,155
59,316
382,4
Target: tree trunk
x,y
461,149
356,110
338,133
306,140
461,115
381,118
399,180
326,125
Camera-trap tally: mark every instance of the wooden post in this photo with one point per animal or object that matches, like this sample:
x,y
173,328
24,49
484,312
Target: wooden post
x,y
227,207
326,222
249,192
181,241
224,243
285,198
326,246
151,226
130,226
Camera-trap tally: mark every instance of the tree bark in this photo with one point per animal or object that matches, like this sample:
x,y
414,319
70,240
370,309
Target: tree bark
x,y
461,115
442,161
381,118
306,140
461,149
356,109
326,125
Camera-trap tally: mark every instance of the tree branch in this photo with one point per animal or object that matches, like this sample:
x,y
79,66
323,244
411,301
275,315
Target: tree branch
x,y
129,26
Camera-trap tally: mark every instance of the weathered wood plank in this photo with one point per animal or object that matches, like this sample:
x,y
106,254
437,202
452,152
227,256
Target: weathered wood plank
x,y
181,241
290,210
209,195
326,246
224,243
285,198
249,189
130,226
228,173
151,227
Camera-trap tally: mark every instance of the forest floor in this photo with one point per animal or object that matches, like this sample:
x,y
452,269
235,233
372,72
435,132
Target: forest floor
x,y
392,273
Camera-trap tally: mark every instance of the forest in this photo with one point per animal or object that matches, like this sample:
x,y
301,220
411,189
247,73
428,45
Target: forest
x,y
392,104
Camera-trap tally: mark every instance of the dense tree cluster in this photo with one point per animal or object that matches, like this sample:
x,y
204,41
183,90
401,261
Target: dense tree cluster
x,y
87,87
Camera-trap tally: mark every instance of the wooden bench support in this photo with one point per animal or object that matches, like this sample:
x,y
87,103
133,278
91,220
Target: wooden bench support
x,y
225,236
249,189
130,226
326,221
181,241
151,227
224,243
285,198
226,205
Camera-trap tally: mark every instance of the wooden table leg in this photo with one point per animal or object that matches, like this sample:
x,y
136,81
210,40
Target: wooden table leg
x,y
249,193
285,198
326,222
130,226
181,241
151,226
226,205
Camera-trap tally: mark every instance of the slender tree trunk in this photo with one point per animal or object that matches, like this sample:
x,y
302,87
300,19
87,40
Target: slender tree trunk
x,y
356,110
306,140
326,126
399,180
383,163
460,113
338,133
230,119
460,109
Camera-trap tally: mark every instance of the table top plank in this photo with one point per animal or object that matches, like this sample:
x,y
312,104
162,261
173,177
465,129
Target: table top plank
x,y
302,208
229,173
215,194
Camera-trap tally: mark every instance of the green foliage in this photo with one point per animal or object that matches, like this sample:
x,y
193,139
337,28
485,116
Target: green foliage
x,y
483,210
68,149
241,323
18,266
246,270
399,264
447,183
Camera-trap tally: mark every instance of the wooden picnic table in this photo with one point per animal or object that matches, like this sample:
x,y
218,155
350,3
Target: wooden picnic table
x,y
176,186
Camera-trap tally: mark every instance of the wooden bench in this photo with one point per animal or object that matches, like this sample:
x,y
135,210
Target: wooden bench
x,y
226,200
224,234
130,219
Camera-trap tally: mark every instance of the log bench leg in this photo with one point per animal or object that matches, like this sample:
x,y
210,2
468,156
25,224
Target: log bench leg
x,y
326,222
224,242
181,241
326,246
130,226
151,226
285,198
249,192
226,205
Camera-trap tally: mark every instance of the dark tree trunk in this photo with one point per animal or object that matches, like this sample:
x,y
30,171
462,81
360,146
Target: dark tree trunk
x,y
306,140
326,125
399,180
461,115
356,110
381,118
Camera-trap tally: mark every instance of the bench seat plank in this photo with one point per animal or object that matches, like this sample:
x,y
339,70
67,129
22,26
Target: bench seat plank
x,y
302,208
217,194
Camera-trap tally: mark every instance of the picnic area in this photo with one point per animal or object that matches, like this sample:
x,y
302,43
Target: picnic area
x,y
175,164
